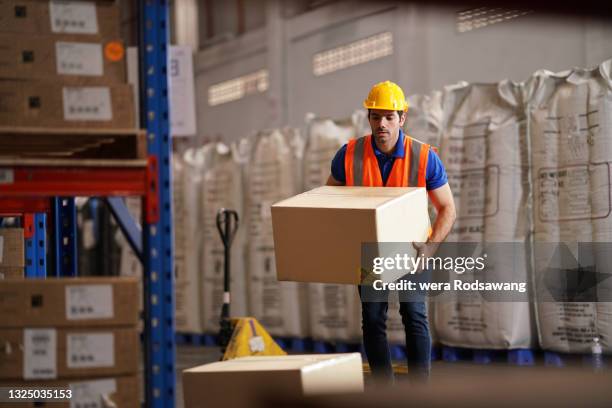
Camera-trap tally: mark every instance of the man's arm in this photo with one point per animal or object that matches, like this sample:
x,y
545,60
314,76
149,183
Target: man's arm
x,y
331,181
442,200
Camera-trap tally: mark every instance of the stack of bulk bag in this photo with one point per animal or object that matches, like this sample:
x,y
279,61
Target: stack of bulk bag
x,y
334,309
571,149
424,123
222,187
272,175
187,186
483,149
424,118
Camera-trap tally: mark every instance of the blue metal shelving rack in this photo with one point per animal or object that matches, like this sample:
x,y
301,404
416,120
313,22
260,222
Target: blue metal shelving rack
x,y
157,237
43,195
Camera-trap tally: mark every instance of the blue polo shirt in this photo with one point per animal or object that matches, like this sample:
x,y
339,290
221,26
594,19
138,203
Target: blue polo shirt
x,y
435,175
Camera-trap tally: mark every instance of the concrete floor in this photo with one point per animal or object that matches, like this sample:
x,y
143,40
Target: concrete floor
x,y
191,356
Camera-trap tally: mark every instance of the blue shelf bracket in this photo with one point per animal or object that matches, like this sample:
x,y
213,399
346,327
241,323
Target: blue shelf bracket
x,y
130,228
35,242
64,214
157,251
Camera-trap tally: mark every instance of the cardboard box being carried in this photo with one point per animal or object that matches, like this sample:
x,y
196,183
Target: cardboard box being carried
x,y
48,353
121,391
33,103
318,235
69,60
92,18
69,302
297,375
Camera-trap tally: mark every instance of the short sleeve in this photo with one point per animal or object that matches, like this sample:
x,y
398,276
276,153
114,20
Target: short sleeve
x,y
337,165
435,176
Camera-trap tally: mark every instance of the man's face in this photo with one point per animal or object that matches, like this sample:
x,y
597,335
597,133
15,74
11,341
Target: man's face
x,y
385,126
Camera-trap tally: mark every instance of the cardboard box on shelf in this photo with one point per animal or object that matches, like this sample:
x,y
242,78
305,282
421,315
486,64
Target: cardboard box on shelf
x,y
318,235
69,302
296,375
70,60
50,353
92,18
34,103
123,391
11,248
12,272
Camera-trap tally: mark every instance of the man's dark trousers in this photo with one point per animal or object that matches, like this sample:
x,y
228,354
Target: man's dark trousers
x,y
374,308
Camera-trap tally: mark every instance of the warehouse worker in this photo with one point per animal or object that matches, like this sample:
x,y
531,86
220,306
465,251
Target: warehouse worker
x,y
388,157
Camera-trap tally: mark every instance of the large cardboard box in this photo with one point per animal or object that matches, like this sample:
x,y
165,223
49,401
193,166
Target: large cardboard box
x,y
33,103
92,18
11,248
69,302
69,59
123,391
50,353
297,375
318,234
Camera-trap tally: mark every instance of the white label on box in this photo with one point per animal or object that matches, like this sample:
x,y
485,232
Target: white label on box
x,y
39,353
74,58
87,350
78,17
89,394
89,302
7,176
87,103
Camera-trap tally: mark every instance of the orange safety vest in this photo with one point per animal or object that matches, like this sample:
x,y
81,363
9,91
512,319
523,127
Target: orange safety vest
x,y
361,167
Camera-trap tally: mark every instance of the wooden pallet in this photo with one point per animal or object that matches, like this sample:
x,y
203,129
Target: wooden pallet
x,y
28,145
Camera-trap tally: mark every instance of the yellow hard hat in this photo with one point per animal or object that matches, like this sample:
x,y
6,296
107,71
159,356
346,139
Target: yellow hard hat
x,y
386,95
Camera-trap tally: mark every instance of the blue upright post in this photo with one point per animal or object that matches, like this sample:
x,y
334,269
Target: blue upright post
x,y
36,248
64,211
157,236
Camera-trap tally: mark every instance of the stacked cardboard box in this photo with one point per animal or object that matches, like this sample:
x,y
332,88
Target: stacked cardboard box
x,y
63,65
76,333
11,253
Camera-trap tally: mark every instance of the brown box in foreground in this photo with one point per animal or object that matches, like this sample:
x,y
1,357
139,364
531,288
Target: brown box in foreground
x,y
69,302
123,391
33,103
297,375
89,19
49,353
318,235
68,59
11,248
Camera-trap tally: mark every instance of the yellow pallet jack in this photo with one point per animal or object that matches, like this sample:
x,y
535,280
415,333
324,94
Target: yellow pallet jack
x,y
240,336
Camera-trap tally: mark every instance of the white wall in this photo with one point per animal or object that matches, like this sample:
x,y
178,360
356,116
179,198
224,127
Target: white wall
x,y
428,54
237,119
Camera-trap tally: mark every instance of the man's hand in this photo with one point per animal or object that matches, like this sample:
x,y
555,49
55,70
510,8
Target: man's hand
x,y
331,181
424,250
442,200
